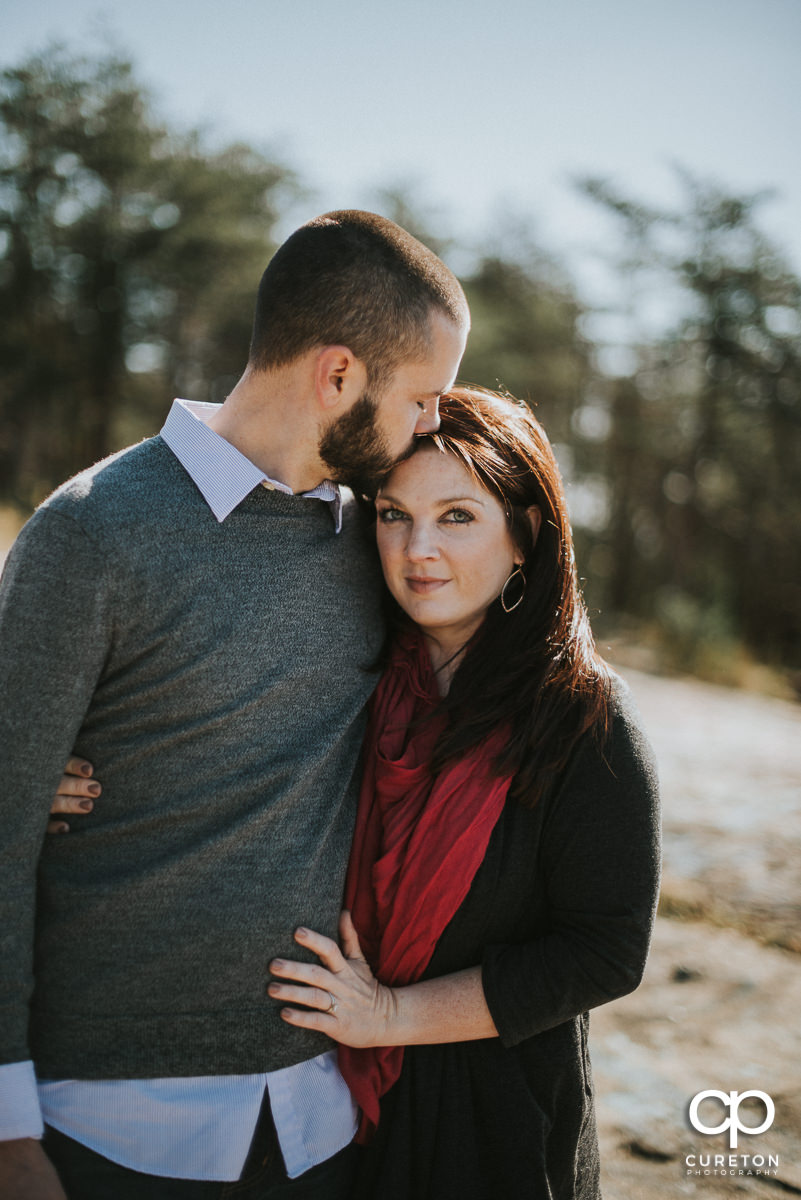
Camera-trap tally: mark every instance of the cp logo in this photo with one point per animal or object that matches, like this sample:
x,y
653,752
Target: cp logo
x,y
732,1101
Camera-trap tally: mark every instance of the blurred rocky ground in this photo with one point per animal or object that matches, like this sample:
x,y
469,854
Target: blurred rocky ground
x,y
720,1005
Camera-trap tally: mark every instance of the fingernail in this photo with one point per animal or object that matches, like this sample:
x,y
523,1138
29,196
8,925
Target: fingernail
x,y
277,964
301,932
86,769
86,805
93,789
61,829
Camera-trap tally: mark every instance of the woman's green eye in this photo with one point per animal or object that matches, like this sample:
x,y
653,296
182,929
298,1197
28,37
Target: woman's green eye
x,y
459,516
388,515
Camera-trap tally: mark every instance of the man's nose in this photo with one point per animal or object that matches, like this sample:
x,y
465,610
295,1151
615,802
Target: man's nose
x,y
428,421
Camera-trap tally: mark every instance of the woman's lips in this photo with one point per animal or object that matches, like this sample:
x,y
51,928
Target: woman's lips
x,y
423,586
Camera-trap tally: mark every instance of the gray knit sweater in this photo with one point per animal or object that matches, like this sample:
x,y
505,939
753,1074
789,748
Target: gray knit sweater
x,y
215,674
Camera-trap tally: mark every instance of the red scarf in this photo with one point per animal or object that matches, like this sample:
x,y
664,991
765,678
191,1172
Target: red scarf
x,y
418,844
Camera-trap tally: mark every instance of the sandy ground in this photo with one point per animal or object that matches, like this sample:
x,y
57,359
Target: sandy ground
x,y
720,1006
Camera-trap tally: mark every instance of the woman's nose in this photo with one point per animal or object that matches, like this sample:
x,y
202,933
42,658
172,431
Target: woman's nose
x,y
421,544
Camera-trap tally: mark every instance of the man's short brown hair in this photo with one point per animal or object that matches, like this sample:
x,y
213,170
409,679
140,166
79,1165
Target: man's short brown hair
x,y
355,279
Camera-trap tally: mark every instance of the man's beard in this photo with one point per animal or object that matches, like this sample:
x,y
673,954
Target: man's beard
x,y
355,450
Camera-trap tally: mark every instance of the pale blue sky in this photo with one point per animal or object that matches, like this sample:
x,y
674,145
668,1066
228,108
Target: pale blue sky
x,y
484,108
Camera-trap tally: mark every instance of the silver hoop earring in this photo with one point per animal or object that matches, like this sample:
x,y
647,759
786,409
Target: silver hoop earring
x,y
507,608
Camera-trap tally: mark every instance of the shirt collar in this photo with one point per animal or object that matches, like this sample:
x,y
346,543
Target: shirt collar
x,y
221,473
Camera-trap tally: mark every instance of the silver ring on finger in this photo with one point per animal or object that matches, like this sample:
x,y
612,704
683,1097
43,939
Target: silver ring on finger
x,y
332,1008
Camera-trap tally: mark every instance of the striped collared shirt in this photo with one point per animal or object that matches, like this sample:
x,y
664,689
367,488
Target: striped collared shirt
x,y
220,471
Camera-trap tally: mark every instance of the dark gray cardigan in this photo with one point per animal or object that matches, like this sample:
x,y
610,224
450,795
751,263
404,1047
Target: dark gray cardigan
x,y
559,915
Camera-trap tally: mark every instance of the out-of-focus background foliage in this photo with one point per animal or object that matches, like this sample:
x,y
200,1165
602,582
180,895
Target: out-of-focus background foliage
x,y
129,257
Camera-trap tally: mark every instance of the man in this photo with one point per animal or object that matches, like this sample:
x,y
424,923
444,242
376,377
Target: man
x,y
198,615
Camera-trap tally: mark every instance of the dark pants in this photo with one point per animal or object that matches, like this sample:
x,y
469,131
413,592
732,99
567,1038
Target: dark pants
x,y
88,1176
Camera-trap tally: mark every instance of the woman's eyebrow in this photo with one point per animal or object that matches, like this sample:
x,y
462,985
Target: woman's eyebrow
x,y
462,500
452,500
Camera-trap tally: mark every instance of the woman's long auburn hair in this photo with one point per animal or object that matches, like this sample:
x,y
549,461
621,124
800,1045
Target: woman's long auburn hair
x,y
534,670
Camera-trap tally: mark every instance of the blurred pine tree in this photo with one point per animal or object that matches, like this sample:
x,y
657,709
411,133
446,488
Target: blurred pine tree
x,y
129,257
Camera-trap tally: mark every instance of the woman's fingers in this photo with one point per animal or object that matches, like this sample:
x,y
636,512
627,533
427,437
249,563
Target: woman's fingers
x,y
306,1018
307,989
350,938
325,948
78,785
79,766
312,997
309,974
75,795
341,999
71,804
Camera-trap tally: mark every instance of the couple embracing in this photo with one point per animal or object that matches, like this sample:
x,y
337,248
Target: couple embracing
x,y
366,852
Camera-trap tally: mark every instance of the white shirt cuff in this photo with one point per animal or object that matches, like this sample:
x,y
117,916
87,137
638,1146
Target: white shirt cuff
x,y
20,1113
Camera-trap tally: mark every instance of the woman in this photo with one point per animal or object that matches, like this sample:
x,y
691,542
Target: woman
x,y
504,870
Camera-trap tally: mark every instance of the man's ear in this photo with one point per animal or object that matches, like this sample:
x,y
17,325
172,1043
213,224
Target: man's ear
x,y
339,378
534,515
